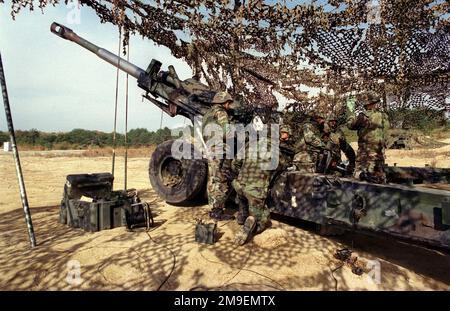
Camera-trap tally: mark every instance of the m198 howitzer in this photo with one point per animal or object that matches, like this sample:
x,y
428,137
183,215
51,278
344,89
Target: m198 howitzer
x,y
163,88
175,181
403,207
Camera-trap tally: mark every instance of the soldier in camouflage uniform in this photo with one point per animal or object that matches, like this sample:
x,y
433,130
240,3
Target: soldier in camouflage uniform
x,y
252,186
219,167
310,144
371,125
335,139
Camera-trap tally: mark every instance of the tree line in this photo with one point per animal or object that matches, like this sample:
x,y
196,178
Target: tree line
x,y
81,139
141,137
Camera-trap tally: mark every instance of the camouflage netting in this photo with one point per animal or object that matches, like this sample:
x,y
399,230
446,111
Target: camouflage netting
x,y
256,48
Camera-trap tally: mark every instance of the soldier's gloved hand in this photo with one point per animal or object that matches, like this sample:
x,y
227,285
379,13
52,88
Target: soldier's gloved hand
x,y
351,104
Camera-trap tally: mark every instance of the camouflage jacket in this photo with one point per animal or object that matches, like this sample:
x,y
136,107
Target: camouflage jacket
x,y
285,159
371,127
216,115
335,139
310,138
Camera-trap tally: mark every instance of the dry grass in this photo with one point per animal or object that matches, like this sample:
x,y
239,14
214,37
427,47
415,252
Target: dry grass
x,y
437,157
426,153
132,152
440,133
142,152
25,147
90,152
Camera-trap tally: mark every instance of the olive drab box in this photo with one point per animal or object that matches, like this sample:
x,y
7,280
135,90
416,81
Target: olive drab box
x,y
205,233
93,186
83,215
90,204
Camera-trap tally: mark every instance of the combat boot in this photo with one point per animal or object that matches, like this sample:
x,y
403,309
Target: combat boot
x,y
219,214
242,213
246,231
241,217
261,227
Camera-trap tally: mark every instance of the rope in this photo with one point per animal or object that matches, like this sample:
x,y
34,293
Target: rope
x,y
161,121
241,269
126,124
334,278
115,104
148,216
173,264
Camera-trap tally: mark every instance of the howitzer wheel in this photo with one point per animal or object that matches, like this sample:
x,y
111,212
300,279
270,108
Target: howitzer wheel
x,y
176,181
329,230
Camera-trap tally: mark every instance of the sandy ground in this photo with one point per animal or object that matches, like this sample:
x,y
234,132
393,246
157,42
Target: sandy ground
x,y
285,257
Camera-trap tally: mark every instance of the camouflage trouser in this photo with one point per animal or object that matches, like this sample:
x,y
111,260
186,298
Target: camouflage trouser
x,y
218,185
305,161
370,165
236,165
252,185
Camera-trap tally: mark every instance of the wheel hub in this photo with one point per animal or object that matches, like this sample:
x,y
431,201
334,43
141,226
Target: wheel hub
x,y
171,172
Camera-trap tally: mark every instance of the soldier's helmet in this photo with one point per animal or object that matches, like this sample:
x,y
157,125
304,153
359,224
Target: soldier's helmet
x,y
285,128
371,98
221,97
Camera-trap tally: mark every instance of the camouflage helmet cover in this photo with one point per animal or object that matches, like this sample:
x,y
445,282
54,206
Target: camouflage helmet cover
x,y
285,128
221,97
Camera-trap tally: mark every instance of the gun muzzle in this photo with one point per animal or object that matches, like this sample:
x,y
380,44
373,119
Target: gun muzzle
x,y
62,31
68,34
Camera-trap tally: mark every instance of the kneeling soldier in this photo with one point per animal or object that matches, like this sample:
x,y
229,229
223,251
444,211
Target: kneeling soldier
x,y
252,186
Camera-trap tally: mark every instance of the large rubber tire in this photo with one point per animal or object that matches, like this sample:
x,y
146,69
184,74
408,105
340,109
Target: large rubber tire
x,y
327,230
176,181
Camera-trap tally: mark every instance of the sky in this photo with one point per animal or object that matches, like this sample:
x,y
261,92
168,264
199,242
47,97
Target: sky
x,y
55,85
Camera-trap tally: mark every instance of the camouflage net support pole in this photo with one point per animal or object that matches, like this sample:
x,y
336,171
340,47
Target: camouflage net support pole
x,y
23,193
126,125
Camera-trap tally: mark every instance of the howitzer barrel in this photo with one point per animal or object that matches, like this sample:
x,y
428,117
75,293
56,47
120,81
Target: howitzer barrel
x,y
68,34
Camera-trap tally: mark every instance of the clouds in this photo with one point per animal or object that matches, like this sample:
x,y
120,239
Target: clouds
x,y
55,85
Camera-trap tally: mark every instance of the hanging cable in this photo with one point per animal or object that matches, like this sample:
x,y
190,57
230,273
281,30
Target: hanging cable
x,y
115,104
160,122
126,124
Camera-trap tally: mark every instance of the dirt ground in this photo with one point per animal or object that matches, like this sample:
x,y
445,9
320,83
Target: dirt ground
x,y
285,257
